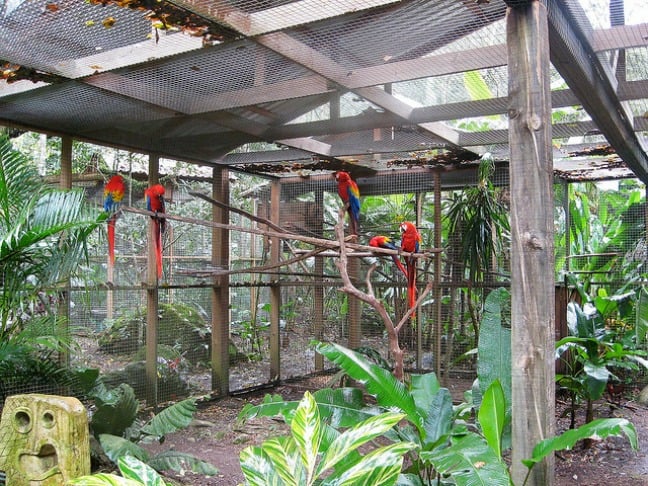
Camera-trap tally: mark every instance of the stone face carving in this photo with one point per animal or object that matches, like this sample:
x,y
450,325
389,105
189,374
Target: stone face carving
x,y
44,440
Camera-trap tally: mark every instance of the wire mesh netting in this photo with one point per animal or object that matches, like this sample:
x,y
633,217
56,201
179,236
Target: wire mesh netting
x,y
280,301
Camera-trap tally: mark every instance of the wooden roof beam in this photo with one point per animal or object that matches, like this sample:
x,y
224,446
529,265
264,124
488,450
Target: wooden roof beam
x,y
593,83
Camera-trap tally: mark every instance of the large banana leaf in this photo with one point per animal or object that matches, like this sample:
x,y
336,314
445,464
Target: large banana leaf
x,y
389,392
181,461
116,447
176,417
469,461
116,409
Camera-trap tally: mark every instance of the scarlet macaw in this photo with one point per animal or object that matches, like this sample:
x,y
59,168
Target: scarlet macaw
x,y
350,194
410,241
386,242
155,202
113,195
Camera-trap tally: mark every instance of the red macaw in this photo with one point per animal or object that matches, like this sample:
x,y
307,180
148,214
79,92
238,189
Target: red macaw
x,y
350,194
113,195
410,242
386,242
155,202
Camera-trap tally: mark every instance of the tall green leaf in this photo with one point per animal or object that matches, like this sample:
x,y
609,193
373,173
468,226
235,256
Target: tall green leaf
x,y
103,479
641,323
258,468
600,429
469,461
439,418
132,468
116,447
176,417
357,436
381,467
389,392
306,431
492,415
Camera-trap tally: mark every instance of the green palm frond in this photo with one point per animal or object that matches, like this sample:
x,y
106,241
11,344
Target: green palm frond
x,y
43,233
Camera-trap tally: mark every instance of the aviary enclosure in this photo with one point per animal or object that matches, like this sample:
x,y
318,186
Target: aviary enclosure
x,y
279,301
408,96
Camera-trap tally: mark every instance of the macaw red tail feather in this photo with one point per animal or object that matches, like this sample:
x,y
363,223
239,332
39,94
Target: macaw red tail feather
x,y
411,283
111,239
158,246
400,265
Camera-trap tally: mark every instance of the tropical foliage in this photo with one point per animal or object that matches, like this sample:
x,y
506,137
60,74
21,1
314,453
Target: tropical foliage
x,y
593,356
436,439
120,434
43,231
133,473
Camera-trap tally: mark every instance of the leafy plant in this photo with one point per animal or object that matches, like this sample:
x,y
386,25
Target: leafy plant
x,y
314,455
133,473
43,234
438,439
115,425
590,355
431,421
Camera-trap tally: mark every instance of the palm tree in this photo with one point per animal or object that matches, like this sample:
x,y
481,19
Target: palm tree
x,y
42,240
478,227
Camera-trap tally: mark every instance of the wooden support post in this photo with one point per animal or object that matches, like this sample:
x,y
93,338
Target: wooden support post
x,y
152,304
438,325
220,320
318,291
566,209
64,294
275,289
532,235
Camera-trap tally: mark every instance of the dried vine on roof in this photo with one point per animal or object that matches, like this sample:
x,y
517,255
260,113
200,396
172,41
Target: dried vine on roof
x,y
12,73
167,16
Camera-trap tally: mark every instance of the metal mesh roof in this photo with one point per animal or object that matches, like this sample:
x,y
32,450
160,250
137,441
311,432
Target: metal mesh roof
x,y
368,81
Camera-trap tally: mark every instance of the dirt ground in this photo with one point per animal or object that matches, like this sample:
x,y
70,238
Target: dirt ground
x,y
216,437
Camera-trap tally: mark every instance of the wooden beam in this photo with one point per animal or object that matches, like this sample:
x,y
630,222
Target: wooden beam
x,y
314,60
275,289
152,299
285,16
592,82
220,294
532,240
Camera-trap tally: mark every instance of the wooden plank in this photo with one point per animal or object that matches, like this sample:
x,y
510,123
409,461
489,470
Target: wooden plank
x,y
220,294
275,290
314,60
532,240
279,17
152,300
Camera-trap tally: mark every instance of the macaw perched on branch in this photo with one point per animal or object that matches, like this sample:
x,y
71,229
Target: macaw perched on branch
x,y
350,195
410,242
113,195
386,242
155,202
